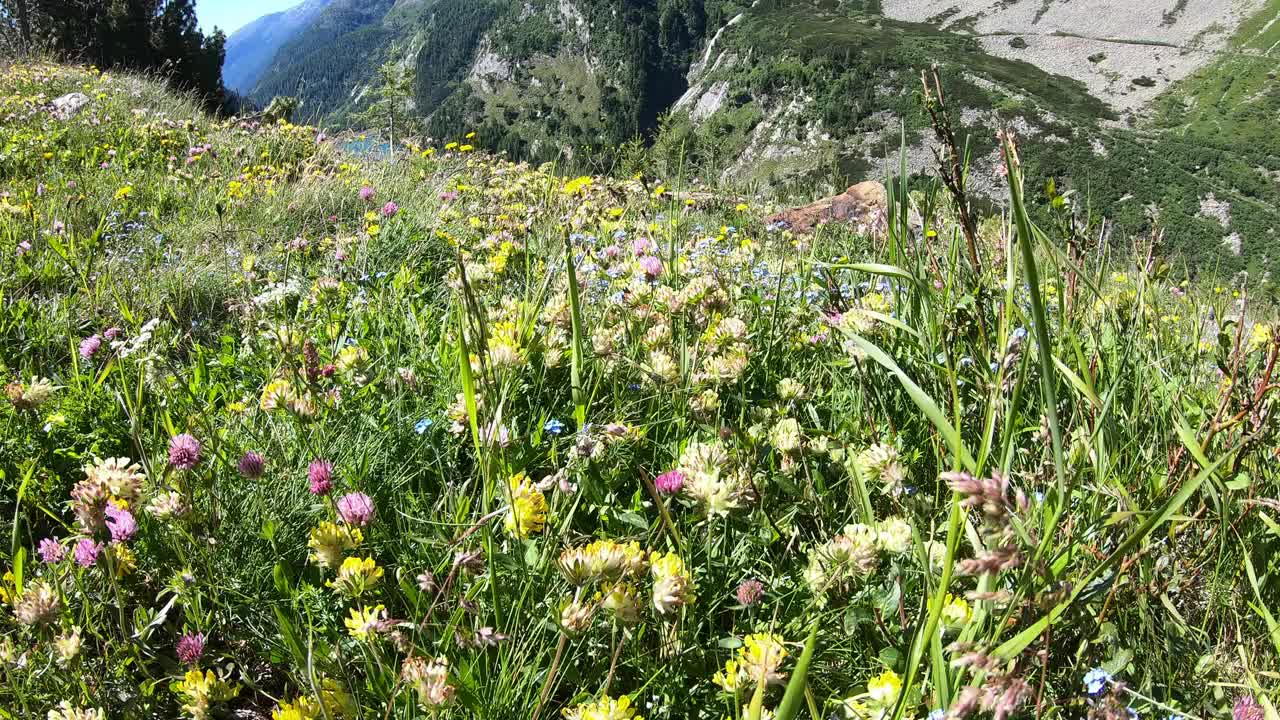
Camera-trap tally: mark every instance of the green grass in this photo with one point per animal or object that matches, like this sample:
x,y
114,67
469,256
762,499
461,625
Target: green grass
x,y
506,362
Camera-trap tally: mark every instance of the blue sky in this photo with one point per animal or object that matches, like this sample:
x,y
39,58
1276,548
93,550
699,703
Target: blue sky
x,y
231,14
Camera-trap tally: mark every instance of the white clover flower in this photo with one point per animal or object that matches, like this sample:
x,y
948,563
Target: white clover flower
x,y
66,711
894,536
67,646
661,365
937,554
709,479
790,389
785,436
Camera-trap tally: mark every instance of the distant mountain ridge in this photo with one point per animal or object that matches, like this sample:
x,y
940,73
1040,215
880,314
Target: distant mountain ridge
x,y
251,49
1136,108
326,63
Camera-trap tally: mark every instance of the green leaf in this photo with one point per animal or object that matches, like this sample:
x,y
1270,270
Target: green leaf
x,y
891,657
1273,627
16,551
920,398
290,637
790,705
1241,481
756,709
729,643
874,269
281,579
19,560
1118,662
1080,385
634,519
468,382
575,349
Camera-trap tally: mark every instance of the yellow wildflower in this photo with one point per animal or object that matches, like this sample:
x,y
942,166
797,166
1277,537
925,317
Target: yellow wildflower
x,y
606,708
1259,336
356,576
577,186
200,690
759,659
329,541
528,512
672,583
883,689
364,622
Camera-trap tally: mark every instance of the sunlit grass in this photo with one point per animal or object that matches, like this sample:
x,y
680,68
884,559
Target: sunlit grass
x,y
455,437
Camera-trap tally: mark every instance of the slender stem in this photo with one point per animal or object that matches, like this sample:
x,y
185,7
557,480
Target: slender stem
x,y
551,674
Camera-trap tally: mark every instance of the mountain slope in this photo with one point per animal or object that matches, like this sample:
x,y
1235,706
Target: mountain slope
x,y
546,74
1127,53
1138,110
328,63
797,93
251,49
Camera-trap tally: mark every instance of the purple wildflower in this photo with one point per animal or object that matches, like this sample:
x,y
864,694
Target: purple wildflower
x,y
390,209
87,552
1247,708
320,477
90,346
251,465
749,592
51,551
651,266
356,509
670,482
190,648
120,522
184,452
366,193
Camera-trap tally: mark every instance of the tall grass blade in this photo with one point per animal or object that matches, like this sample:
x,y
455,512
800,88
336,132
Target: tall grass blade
x,y
1011,647
576,356
922,400
794,695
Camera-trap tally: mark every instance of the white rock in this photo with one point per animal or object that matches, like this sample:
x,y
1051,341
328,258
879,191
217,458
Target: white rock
x,y
69,105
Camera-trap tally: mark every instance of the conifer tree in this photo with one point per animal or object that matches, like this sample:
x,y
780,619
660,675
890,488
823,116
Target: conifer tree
x,y
392,106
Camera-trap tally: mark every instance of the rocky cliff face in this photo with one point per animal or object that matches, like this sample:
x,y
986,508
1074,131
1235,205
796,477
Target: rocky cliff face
x,y
1127,53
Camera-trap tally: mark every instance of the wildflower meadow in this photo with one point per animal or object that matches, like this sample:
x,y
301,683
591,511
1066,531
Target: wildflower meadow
x,y
293,434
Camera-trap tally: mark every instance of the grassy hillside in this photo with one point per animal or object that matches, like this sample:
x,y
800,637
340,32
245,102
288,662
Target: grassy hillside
x,y
819,93
290,434
808,96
